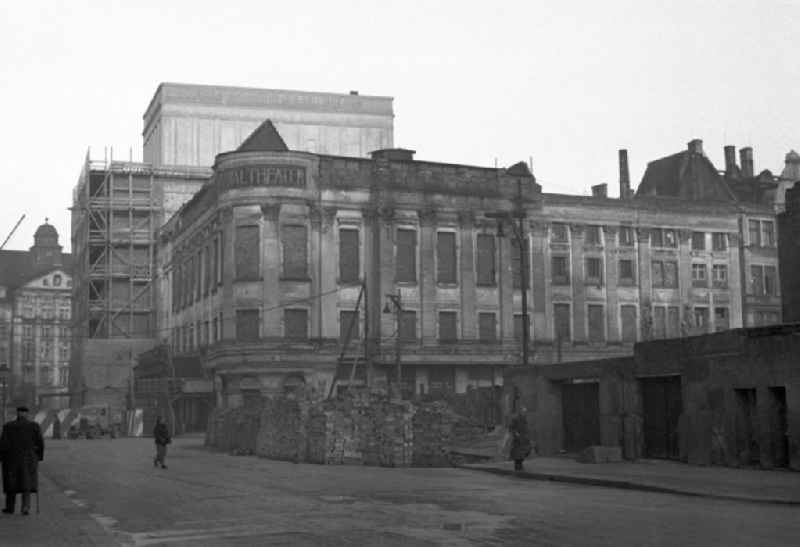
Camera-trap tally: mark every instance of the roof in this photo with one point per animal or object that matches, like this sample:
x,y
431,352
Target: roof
x,y
685,175
46,230
264,139
519,169
16,267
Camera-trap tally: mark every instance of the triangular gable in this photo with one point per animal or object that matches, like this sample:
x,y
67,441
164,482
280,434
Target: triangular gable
x,y
56,279
264,139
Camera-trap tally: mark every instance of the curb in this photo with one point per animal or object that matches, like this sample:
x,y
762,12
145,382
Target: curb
x,y
626,485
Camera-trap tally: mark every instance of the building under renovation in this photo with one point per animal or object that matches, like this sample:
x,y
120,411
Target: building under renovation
x,y
119,205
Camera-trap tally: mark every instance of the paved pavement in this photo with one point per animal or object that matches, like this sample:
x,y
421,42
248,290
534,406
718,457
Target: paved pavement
x,y
776,486
106,492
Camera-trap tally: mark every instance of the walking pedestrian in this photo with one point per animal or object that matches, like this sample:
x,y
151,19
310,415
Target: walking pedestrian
x,y
162,438
21,450
520,440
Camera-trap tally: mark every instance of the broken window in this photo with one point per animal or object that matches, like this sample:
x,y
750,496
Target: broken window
x,y
295,252
446,257
406,268
757,280
626,236
485,258
246,253
349,267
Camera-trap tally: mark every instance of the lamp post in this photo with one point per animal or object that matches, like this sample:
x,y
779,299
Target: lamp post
x,y
4,374
397,308
518,228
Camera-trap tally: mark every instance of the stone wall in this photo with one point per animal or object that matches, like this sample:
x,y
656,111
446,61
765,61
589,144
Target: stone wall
x,y
361,428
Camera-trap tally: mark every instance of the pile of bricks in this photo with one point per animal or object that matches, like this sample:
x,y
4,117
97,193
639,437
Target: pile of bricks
x,y
436,429
282,431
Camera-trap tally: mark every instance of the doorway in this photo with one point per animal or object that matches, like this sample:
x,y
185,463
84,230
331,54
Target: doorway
x,y
779,427
580,403
662,405
747,448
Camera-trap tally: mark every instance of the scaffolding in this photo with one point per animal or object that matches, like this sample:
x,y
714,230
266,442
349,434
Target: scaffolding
x,y
114,217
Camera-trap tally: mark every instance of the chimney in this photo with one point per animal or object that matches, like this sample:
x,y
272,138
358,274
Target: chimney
x,y
624,175
746,159
600,190
730,160
696,146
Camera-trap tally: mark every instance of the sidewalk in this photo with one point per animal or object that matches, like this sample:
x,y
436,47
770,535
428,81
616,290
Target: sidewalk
x,y
776,486
60,522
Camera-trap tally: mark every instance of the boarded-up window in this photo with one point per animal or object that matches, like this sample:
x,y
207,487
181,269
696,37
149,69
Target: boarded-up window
x,y
659,322
348,322
295,252
597,331
485,258
406,269
349,266
295,323
487,327
562,322
447,326
628,320
560,270
673,322
516,263
247,253
407,329
446,257
247,325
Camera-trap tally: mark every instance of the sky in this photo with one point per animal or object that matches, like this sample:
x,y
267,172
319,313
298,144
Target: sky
x,y
562,84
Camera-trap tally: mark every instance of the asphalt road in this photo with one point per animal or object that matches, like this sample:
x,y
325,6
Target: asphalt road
x,y
209,498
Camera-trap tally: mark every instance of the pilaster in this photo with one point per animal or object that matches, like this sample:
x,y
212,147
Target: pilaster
x,y
612,275
228,325
736,285
539,280
467,275
329,273
644,256
578,286
505,284
685,267
271,270
427,274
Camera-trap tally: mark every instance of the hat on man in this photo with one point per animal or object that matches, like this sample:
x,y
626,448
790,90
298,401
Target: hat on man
x,y
22,408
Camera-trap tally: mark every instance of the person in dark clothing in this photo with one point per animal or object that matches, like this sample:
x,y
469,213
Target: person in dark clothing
x,y
520,440
162,438
21,450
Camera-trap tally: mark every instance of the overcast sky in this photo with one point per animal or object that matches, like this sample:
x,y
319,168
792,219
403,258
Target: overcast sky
x,y
564,83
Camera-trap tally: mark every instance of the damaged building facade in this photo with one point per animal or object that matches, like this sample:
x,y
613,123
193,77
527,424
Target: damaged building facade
x,y
263,268
118,205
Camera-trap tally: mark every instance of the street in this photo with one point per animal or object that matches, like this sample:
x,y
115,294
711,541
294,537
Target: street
x,y
208,498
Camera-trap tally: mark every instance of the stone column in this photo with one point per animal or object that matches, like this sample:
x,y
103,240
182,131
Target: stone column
x,y
538,281
736,285
271,270
578,285
427,275
228,229
328,275
467,275
645,281
505,284
612,275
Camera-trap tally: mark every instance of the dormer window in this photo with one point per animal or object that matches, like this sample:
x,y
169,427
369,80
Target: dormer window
x,y
56,280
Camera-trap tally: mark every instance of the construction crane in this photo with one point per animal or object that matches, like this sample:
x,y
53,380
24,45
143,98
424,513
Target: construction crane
x,y
14,229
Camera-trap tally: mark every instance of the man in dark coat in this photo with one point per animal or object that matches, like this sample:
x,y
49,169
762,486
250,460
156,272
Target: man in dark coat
x,y
21,450
161,436
520,440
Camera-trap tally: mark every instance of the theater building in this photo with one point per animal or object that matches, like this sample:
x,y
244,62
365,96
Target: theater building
x,y
286,262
